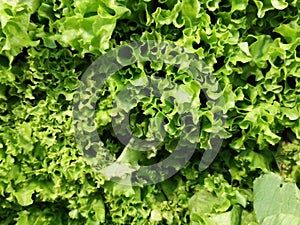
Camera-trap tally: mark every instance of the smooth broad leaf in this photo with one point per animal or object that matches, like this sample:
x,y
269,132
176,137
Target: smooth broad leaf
x,y
24,196
279,4
281,219
222,219
204,202
239,5
273,198
244,46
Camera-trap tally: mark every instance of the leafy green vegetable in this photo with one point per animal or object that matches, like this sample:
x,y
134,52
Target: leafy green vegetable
x,y
276,201
288,160
250,46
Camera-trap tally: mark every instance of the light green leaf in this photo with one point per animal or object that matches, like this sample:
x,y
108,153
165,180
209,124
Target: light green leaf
x,y
282,219
290,31
274,198
24,196
239,4
279,4
245,48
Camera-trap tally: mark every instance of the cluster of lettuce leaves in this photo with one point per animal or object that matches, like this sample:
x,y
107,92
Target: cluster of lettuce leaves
x,y
252,47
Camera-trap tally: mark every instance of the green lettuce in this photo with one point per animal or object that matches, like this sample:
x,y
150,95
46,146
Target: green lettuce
x,y
250,46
